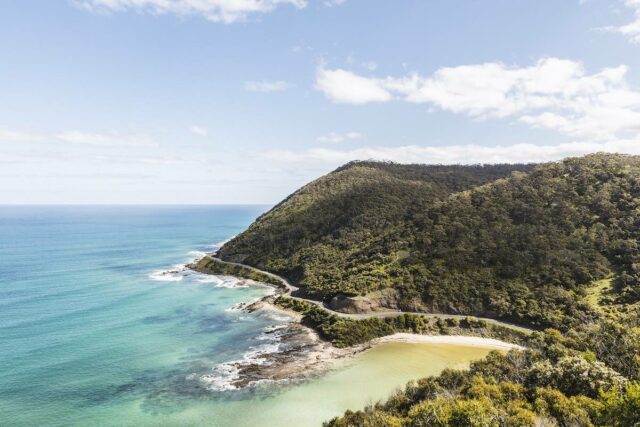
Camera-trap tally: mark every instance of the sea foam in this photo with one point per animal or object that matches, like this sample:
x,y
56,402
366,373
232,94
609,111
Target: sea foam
x,y
224,375
175,274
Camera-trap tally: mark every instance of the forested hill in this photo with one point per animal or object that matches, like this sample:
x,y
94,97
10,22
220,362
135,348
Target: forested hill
x,y
342,218
517,242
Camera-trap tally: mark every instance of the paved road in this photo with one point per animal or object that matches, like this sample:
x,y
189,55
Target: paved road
x,y
381,314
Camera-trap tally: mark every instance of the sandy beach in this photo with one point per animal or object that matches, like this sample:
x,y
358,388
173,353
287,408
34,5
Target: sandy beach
x,y
470,341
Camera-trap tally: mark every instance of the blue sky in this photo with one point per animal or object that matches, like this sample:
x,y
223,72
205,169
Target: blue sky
x,y
243,101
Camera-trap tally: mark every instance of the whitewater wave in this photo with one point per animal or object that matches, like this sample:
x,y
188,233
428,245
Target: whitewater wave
x,y
222,281
225,375
196,255
215,246
178,272
175,274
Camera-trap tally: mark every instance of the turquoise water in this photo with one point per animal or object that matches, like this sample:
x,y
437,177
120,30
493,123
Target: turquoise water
x,y
85,324
99,327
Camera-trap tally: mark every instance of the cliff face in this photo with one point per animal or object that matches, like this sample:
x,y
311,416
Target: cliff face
x,y
519,242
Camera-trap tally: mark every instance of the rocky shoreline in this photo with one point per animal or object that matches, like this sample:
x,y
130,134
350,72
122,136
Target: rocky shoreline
x,y
301,355
304,356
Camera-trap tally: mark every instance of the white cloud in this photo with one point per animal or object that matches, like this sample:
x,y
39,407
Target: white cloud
x,y
553,93
331,3
455,154
114,138
19,136
137,160
632,29
226,11
267,86
199,131
337,138
343,86
78,137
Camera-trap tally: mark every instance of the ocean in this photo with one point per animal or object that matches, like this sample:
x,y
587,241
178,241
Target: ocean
x,y
99,326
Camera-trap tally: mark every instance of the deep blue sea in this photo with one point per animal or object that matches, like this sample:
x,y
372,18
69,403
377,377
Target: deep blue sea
x,y
95,329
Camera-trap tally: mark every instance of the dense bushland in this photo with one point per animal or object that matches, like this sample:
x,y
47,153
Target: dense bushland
x,y
520,242
343,332
553,246
588,376
514,390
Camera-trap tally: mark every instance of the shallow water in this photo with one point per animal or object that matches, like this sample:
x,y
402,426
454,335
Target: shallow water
x,y
97,329
368,377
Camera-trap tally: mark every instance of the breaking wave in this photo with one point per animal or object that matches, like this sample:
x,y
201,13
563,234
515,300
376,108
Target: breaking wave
x,y
224,376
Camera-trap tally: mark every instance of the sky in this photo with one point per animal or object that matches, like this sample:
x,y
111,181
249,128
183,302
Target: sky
x,y
244,101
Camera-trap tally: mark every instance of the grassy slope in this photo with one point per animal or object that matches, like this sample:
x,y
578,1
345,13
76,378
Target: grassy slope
x,y
598,291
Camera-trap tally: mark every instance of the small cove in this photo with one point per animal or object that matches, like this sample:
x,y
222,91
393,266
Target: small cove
x,y
96,332
363,379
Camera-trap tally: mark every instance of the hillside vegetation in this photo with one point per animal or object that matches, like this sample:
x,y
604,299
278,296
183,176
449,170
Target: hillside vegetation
x,y
587,376
343,231
517,242
553,246
514,390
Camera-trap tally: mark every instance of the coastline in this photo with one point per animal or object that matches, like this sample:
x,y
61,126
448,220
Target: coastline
x,y
303,354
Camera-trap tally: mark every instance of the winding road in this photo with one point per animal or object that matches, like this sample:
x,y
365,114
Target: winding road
x,y
380,314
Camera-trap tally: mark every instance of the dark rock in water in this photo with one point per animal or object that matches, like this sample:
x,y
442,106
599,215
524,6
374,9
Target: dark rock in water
x,y
302,354
250,308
